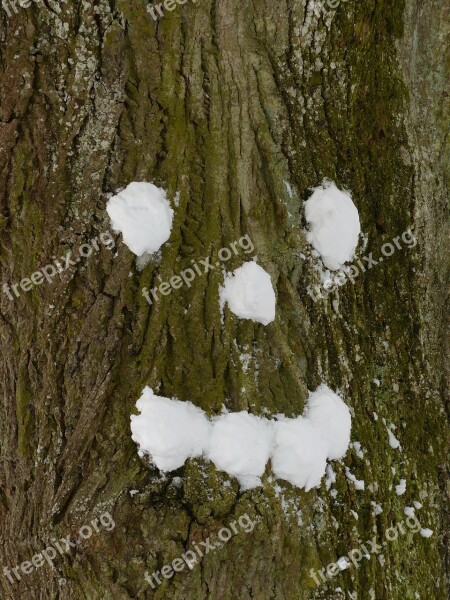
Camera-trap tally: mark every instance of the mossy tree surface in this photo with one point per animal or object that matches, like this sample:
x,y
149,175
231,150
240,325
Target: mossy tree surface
x,y
241,108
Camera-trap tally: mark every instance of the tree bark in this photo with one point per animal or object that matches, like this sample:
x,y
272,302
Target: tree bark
x,y
241,107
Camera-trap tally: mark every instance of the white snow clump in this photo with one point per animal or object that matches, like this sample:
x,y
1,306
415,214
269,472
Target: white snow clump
x,y
334,225
142,214
240,443
249,293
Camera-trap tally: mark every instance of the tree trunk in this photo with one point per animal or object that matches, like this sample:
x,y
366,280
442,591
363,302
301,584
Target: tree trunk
x,y
242,108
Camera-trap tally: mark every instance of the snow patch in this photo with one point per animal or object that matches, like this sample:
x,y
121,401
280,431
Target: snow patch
x,y
241,444
358,450
300,454
142,214
249,293
393,441
330,478
377,508
168,430
359,483
426,533
334,225
400,489
331,416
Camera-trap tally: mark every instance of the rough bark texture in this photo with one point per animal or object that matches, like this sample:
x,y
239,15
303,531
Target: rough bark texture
x,y
222,101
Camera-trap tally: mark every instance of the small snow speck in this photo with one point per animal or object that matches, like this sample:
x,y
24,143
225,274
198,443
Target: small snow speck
x,y
400,489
